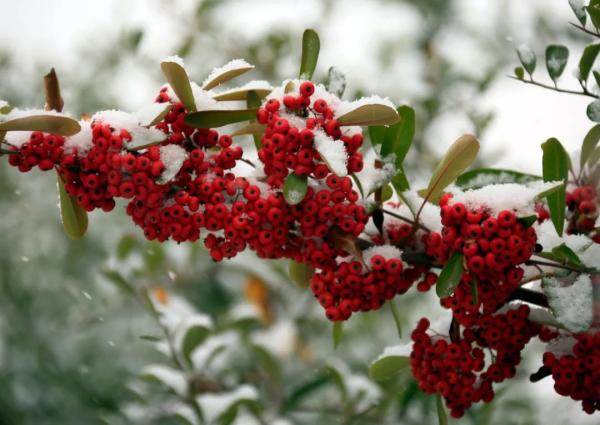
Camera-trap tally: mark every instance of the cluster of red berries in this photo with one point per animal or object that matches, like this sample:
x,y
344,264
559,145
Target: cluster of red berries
x,y
457,369
287,148
582,203
577,375
42,151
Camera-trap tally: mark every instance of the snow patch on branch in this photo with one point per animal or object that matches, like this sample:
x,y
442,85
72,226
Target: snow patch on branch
x,y
371,177
332,151
572,305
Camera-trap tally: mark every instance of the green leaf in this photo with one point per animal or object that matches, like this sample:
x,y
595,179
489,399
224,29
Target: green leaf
x,y
336,82
338,331
119,281
594,157
241,93
398,137
474,290
593,111
387,367
221,75
300,273
194,335
579,10
294,188
527,221
179,81
386,193
376,134
53,124
74,218
594,11
590,142
459,156
5,108
565,299
126,245
557,57
555,165
370,114
253,101
397,319
219,118
450,276
567,256
519,72
527,58
400,182
310,54
441,410
481,177
587,61
253,128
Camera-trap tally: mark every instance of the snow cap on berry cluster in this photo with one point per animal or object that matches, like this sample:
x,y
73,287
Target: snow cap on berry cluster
x,y
386,251
332,151
81,142
321,92
518,198
120,120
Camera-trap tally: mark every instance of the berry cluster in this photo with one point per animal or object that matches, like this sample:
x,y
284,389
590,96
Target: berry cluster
x,y
42,150
577,375
457,369
582,203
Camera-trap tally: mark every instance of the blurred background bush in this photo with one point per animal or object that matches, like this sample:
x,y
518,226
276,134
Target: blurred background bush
x,y
77,348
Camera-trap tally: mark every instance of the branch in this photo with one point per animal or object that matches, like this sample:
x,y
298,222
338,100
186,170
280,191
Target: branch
x,y
585,92
54,100
527,295
406,219
585,30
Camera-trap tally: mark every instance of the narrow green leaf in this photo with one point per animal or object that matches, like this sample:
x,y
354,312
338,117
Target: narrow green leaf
x,y
596,75
578,8
450,276
338,331
587,61
555,165
253,101
219,118
336,82
370,114
53,124
527,221
519,72
387,367
527,58
400,182
397,318
459,156
441,410
179,81
252,128
594,11
557,57
567,256
376,134
594,157
310,54
481,177
228,72
474,290
590,142
300,273
241,93
294,188
398,137
74,218
194,336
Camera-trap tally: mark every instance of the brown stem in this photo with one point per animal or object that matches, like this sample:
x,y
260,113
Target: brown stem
x,y
585,30
54,100
556,89
529,296
542,373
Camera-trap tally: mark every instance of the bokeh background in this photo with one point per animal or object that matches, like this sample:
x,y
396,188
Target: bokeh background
x,y
75,348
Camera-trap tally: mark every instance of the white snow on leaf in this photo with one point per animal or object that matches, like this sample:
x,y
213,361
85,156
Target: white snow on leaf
x,y
294,197
399,350
148,113
572,305
140,135
204,99
232,65
337,81
519,198
80,142
212,354
332,151
586,249
345,107
172,378
189,322
172,156
386,251
214,405
371,177
17,138
279,339
251,85
175,59
525,54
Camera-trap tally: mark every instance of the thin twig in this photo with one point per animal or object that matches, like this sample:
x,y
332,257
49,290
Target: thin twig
x,y
556,89
555,265
247,161
585,30
408,220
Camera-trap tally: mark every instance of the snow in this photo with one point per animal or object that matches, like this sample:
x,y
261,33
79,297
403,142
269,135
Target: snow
x,y
372,178
17,138
332,151
386,251
294,197
337,81
561,346
572,305
519,198
430,214
526,54
235,64
214,405
3,103
362,391
204,99
587,251
400,350
80,142
148,113
211,354
168,376
190,322
251,85
484,179
346,107
140,135
172,156
279,339
175,59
